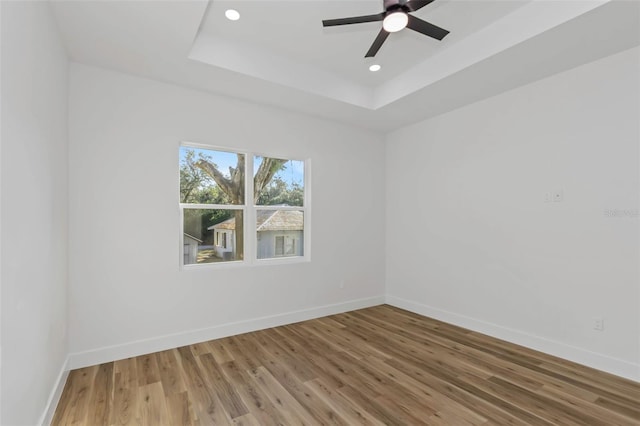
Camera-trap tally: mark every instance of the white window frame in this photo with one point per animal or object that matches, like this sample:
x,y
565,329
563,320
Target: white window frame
x,y
249,213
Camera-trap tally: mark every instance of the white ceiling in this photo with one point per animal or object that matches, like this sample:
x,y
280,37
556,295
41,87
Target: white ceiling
x,y
341,50
279,54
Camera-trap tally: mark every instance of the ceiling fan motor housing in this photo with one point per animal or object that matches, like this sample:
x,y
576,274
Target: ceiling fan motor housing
x,y
390,5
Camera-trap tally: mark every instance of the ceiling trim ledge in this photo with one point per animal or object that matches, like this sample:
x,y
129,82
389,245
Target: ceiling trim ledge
x,y
524,23
241,58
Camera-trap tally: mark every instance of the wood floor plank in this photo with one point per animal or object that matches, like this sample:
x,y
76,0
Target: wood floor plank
x,y
494,409
225,391
152,405
279,365
434,399
101,402
200,348
405,404
75,397
618,417
172,381
255,400
369,403
274,352
374,366
180,410
241,349
296,362
219,351
285,403
298,349
125,394
344,341
206,404
625,393
539,405
147,368
630,410
351,412
246,420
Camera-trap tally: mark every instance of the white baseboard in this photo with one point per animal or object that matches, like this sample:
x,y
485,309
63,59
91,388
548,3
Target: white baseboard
x,y
54,397
595,360
160,343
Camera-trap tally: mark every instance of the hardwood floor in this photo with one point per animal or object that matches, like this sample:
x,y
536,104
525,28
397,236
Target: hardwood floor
x,y
380,365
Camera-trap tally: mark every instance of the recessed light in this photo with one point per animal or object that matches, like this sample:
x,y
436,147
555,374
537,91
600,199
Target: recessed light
x,y
374,68
232,15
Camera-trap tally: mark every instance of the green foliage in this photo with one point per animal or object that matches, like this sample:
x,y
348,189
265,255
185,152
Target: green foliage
x,y
278,192
216,216
191,179
199,187
196,186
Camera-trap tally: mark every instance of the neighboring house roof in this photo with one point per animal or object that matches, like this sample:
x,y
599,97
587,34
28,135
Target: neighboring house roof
x,y
280,220
270,220
192,237
227,224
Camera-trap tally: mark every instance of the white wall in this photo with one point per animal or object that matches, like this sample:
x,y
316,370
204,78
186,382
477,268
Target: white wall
x,y
34,210
485,250
123,171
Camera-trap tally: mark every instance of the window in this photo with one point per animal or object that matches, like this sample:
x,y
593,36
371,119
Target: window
x,y
228,218
289,246
280,246
285,245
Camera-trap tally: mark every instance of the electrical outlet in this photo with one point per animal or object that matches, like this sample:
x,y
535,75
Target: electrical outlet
x,y
341,283
598,324
548,197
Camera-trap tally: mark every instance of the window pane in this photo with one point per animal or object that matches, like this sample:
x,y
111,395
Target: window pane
x,y
211,177
210,235
279,245
280,233
278,182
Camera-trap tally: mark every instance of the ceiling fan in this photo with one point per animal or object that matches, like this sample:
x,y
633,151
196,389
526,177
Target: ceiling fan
x,y
394,18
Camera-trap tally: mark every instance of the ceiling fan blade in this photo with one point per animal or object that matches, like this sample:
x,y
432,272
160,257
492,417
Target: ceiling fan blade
x,y
353,20
414,5
417,24
377,44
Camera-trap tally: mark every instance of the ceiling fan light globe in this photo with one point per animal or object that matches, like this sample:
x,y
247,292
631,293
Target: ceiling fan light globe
x,y
395,21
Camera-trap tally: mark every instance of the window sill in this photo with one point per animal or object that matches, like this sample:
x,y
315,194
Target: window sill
x,y
246,264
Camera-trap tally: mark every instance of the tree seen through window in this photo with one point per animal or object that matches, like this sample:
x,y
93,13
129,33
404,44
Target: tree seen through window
x,y
217,179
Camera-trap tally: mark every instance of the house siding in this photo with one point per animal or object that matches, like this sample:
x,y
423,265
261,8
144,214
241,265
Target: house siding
x,y
267,243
